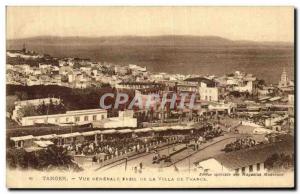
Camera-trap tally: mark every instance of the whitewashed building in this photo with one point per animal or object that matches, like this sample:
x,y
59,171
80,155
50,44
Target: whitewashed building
x,y
78,117
208,92
250,160
125,119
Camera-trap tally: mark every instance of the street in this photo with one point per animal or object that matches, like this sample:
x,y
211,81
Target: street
x,y
182,161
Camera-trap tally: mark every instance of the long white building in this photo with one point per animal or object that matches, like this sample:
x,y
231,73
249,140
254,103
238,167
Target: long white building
x,y
251,160
78,117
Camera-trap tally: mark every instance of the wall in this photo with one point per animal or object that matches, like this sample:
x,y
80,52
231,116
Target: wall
x,y
209,94
212,165
255,170
63,118
118,122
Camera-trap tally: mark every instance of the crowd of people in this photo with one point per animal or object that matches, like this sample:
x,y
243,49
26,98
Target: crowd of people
x,y
207,133
114,147
239,144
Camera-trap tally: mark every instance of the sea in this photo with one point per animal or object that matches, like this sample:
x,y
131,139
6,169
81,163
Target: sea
x,y
265,62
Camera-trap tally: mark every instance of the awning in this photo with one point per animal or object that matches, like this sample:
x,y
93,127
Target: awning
x,y
50,136
178,127
175,127
264,98
275,98
33,149
27,137
160,128
67,135
143,130
43,144
125,131
90,133
111,131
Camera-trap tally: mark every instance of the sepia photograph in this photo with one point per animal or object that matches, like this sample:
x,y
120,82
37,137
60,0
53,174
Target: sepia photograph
x,y
150,97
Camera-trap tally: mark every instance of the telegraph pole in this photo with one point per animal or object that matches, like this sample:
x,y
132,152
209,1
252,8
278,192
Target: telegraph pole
x,y
126,163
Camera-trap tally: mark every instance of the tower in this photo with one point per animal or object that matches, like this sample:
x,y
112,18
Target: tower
x,y
284,79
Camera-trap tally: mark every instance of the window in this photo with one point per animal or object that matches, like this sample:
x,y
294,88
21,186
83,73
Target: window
x,y
77,119
251,168
258,166
86,118
243,170
94,117
236,171
102,117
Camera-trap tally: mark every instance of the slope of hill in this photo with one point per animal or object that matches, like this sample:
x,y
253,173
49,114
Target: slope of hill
x,y
173,54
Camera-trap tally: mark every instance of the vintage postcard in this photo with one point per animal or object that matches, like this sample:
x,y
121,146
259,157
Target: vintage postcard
x,y
150,97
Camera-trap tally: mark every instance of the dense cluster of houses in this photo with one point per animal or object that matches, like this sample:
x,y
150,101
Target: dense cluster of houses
x,y
214,93
68,72
257,106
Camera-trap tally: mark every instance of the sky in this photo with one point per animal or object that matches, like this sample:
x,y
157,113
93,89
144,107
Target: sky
x,y
235,23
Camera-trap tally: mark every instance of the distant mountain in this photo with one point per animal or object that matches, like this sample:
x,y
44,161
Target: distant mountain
x,y
166,40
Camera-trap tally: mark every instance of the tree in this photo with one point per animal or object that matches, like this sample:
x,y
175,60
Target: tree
x,y
260,83
235,94
21,95
277,162
42,108
51,107
60,108
16,158
51,158
10,103
28,110
55,157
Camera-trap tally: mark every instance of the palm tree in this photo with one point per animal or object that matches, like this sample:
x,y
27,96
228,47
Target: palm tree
x,y
52,157
55,157
16,158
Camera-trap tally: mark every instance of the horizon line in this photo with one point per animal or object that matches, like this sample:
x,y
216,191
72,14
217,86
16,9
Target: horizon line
x,y
149,36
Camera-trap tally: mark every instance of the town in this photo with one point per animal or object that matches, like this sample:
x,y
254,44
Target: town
x,y
238,123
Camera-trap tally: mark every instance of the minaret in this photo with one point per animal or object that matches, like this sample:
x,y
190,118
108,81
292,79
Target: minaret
x,y
283,80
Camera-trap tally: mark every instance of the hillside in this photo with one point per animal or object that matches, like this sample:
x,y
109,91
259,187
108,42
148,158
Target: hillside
x,y
173,54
